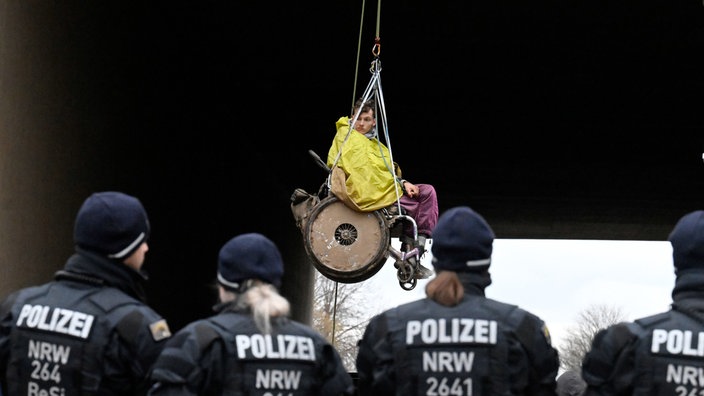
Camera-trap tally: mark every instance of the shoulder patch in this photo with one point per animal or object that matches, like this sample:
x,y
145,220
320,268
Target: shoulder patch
x,y
546,333
160,330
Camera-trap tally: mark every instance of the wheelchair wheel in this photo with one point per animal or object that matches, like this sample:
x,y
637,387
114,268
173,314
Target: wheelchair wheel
x,y
345,245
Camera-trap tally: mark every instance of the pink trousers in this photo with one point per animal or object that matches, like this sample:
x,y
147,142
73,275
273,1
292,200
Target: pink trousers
x,y
423,209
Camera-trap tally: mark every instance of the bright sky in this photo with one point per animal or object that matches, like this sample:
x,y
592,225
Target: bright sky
x,y
557,279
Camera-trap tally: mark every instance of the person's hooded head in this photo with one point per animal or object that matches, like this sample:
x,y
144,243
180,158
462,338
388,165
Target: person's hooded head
x,y
687,239
570,383
111,224
250,256
462,241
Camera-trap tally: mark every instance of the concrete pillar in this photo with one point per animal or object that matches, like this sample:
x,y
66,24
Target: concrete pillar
x,y
43,169
74,119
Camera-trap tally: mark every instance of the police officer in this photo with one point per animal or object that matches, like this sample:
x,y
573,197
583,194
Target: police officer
x,y
88,331
250,346
457,341
662,354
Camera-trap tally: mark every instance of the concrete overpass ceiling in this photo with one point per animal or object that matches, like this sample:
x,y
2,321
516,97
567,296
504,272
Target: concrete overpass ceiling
x,y
554,119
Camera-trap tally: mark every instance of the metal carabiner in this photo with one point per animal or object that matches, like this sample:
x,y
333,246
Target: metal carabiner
x,y
376,49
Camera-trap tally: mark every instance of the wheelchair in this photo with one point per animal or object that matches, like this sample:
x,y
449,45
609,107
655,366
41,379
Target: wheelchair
x,y
349,246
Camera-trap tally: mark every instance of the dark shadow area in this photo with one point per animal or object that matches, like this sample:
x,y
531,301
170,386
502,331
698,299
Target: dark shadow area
x,y
578,120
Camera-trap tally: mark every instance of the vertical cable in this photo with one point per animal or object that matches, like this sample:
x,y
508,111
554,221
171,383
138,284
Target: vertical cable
x,y
359,48
334,315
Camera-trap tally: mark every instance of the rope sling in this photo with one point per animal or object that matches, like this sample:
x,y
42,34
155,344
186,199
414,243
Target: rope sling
x,y
373,90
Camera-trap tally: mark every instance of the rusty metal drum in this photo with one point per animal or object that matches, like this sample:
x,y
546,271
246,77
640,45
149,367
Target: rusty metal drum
x,y
346,245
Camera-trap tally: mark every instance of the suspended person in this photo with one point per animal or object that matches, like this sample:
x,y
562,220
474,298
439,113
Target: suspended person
x,y
367,180
662,354
457,341
89,331
250,346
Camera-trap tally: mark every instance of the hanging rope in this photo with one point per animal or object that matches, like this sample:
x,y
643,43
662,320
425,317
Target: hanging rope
x,y
334,315
373,89
376,49
359,48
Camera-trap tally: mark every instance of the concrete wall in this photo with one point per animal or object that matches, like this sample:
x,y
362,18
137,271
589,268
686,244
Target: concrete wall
x,y
72,122
44,172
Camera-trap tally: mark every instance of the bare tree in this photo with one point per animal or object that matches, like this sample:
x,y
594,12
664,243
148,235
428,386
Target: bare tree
x,y
579,336
338,315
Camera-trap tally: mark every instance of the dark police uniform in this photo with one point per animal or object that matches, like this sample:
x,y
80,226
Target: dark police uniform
x,y
88,332
480,347
661,354
226,355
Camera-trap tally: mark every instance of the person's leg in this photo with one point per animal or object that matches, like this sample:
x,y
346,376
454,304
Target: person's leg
x,y
423,209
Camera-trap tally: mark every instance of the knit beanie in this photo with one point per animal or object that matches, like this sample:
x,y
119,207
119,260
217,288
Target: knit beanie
x,y
112,224
462,241
687,239
249,256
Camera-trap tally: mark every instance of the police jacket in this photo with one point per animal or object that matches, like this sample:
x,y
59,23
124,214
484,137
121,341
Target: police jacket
x,y
662,354
88,332
479,347
227,355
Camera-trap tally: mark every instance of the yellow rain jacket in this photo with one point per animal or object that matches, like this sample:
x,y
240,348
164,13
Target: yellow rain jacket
x,y
363,177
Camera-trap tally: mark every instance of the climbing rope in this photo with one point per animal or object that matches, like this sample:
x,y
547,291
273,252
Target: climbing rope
x,y
376,49
375,90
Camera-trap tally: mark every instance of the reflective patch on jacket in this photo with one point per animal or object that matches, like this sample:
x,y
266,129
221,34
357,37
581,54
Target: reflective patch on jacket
x,y
160,330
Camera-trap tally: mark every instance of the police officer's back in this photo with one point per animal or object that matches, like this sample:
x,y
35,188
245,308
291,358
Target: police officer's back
x,y
250,346
89,330
662,354
457,341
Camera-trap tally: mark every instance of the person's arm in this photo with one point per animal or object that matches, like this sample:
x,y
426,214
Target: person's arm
x,y
336,380
375,360
608,367
135,343
410,189
6,323
342,125
186,363
545,362
542,357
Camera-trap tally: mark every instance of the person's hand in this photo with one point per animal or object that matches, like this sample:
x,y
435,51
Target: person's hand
x,y
411,189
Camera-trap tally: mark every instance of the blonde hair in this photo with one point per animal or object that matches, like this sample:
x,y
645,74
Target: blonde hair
x,y
262,299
